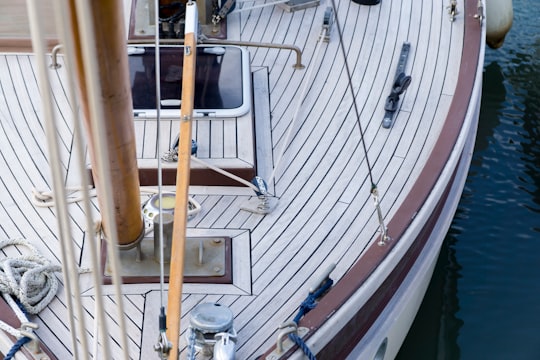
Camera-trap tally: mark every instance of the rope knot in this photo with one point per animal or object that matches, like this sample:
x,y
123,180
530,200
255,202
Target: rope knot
x,y
30,278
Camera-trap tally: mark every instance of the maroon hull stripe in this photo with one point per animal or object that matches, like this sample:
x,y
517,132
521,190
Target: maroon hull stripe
x,y
362,321
352,332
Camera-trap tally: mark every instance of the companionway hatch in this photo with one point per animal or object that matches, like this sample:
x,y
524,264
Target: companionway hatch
x,y
222,81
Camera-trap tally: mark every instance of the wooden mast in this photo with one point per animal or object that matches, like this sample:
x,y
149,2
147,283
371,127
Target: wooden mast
x,y
174,301
113,73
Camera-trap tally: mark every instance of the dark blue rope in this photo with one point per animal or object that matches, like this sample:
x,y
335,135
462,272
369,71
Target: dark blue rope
x,y
307,305
302,345
22,307
310,302
22,341
16,347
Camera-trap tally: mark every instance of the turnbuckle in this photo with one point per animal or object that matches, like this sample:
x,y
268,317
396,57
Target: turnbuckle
x,y
163,346
452,10
384,231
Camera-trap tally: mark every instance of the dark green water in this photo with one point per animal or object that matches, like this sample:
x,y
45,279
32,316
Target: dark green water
x,y
484,299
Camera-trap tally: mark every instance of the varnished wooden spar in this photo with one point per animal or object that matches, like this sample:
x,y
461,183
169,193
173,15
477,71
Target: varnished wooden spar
x,y
113,74
174,302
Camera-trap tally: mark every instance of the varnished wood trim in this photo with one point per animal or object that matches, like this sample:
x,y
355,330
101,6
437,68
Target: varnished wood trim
x,y
205,177
23,45
148,177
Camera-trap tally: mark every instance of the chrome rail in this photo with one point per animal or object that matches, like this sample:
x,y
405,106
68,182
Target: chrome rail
x,y
296,49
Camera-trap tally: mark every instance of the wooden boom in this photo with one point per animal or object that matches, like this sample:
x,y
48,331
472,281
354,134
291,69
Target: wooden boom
x,y
174,302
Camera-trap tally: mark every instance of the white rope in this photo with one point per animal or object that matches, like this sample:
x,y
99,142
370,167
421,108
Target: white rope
x,y
45,198
29,277
88,47
302,96
15,307
10,330
191,344
63,219
18,312
225,173
171,155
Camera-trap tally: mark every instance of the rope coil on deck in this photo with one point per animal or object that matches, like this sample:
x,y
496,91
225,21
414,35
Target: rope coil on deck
x,y
30,278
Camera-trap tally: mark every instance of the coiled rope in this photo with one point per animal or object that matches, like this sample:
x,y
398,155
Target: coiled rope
x,y
29,277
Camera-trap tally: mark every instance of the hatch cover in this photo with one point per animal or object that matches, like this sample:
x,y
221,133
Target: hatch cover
x,y
206,260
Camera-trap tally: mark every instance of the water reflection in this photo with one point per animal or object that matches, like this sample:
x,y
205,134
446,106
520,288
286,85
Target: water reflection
x,y
484,300
491,105
525,76
434,334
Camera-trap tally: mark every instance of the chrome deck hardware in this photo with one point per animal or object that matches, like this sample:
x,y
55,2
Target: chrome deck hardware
x,y
54,57
212,325
27,330
480,14
283,343
264,203
452,10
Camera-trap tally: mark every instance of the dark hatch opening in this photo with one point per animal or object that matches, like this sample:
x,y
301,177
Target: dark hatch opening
x,y
222,86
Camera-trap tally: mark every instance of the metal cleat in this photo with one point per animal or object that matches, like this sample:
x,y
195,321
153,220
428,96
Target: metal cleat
x,y
283,342
264,203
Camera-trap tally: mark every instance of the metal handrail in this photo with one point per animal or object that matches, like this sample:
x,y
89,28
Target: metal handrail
x,y
54,57
296,49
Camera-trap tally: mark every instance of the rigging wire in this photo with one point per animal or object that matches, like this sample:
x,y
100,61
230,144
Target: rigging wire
x,y
88,47
258,6
67,251
374,191
158,140
349,78
163,345
302,97
100,324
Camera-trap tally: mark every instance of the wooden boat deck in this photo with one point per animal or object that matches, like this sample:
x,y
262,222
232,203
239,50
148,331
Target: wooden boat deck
x,y
325,213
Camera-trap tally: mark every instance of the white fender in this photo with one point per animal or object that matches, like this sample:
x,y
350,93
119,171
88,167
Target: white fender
x,y
499,17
